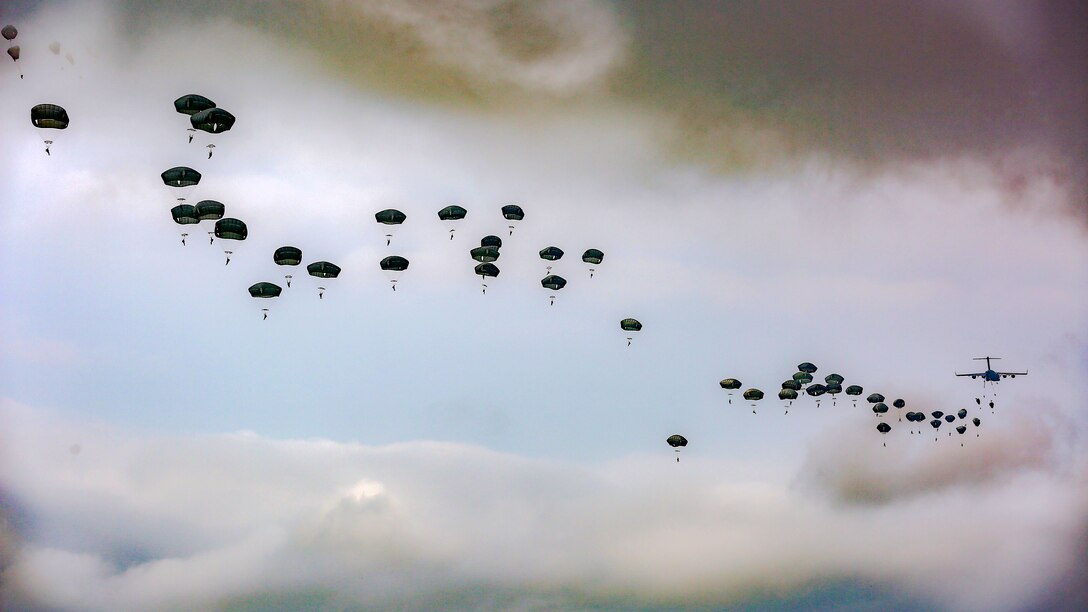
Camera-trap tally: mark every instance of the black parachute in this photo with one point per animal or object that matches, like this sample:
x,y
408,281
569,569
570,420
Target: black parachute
x,y
46,116
787,394
452,213
630,326
593,257
512,212
210,210
287,256
486,270
961,413
230,228
484,254
834,379
880,408
9,32
875,398
265,290
185,214
854,390
393,266
949,417
883,428
899,403
212,120
730,384
390,217
791,384
677,442
936,414
191,104
323,269
554,283
180,176
816,390
491,241
802,377
551,253
807,368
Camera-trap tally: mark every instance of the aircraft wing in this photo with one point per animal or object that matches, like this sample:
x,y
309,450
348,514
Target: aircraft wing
x,y
974,374
1024,373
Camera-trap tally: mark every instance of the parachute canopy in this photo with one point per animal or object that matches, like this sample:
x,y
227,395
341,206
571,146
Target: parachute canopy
x,y
880,408
807,368
816,390
977,421
210,209
13,51
180,176
287,256
630,325
486,269
551,253
803,377
899,403
936,423
753,394
491,241
452,213
394,263
883,428
676,440
949,417
834,388
231,229
185,214
390,216
593,256
791,384
48,116
485,254
961,428
854,390
834,379
191,104
962,413
323,269
513,212
9,32
553,282
265,290
787,394
937,414
874,398
212,120
730,383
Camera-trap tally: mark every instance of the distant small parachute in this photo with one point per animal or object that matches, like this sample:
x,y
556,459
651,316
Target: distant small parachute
x,y
730,384
855,390
753,395
936,414
184,214
390,218
180,176
816,391
265,290
393,266
553,283
287,256
833,390
48,117
787,395
791,384
900,403
484,254
210,210
230,228
834,379
212,120
323,269
880,408
802,377
491,241
512,212
977,421
630,326
883,428
452,213
593,257
10,33
551,253
949,418
191,104
961,413
807,368
677,442
485,271
875,398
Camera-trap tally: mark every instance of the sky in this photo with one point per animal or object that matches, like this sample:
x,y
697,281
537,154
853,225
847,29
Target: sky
x,y
887,190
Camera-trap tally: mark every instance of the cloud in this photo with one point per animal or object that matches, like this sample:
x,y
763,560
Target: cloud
x,y
154,522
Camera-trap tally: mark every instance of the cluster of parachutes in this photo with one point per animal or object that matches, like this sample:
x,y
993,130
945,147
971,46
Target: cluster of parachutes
x,y
205,116
9,32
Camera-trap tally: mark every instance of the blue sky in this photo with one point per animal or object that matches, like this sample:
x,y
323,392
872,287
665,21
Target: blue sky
x,y
156,430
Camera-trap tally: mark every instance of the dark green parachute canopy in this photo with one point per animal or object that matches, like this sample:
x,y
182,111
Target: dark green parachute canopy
x,y
13,51
874,398
807,368
513,212
937,414
803,377
191,104
913,416
880,408
180,176
185,214
950,417
491,241
210,210
551,253
854,390
593,256
753,394
883,428
834,379
630,325
900,403
730,383
962,413
676,440
287,256
9,32
265,290
486,269
49,116
834,388
390,216
212,120
394,263
977,421
485,254
787,394
231,229
791,384
452,213
323,269
816,390
961,428
553,282
936,423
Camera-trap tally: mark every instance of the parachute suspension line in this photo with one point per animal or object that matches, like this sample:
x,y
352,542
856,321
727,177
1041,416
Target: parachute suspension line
x,y
228,254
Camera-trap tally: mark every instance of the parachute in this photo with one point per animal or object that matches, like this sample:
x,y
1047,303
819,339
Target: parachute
x,y
630,326
512,212
265,290
803,377
730,384
753,395
553,283
287,256
855,390
899,403
593,257
452,213
484,254
212,120
880,408
833,379
10,33
551,253
816,391
791,384
184,214
977,421
962,413
230,228
834,389
875,398
191,104
807,368
787,394
180,176
949,418
491,241
390,218
485,270
322,269
47,116
393,266
210,210
677,442
883,428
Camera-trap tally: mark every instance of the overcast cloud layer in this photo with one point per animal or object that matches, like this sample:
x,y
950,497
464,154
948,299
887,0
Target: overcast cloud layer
x,y
767,190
